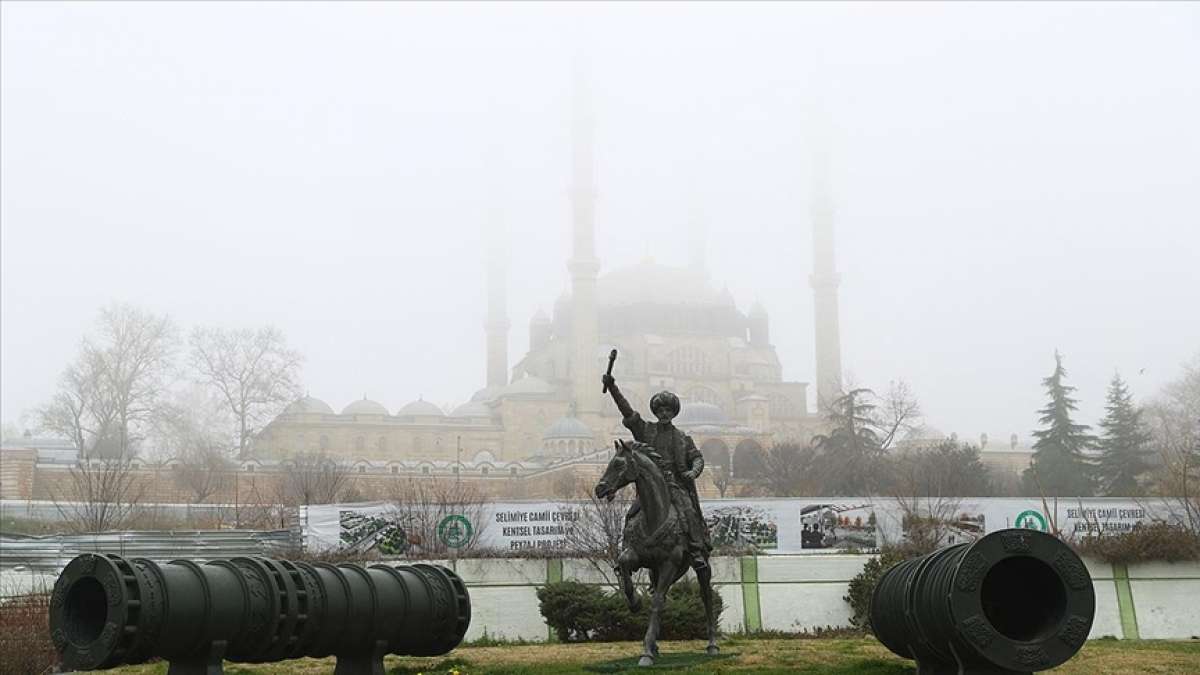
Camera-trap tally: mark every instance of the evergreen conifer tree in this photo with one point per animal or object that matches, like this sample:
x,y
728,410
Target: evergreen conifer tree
x,y
1123,443
1059,466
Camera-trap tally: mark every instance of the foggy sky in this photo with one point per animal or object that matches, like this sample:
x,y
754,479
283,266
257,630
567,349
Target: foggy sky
x,y
1009,179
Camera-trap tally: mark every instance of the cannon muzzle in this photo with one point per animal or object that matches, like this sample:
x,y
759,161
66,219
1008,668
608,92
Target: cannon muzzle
x,y
107,610
1016,601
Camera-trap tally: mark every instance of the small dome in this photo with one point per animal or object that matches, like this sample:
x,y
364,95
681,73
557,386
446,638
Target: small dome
x,y
472,409
540,317
364,406
700,413
528,385
422,408
308,406
567,428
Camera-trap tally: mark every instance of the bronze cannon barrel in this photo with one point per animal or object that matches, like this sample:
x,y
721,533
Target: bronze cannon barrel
x,y
107,610
1015,601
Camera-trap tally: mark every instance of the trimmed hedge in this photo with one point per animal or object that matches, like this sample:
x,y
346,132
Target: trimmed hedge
x,y
863,583
1143,543
579,612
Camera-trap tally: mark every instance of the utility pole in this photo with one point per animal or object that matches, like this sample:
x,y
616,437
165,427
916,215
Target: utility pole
x,y
458,461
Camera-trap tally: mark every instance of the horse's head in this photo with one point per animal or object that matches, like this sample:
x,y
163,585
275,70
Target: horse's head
x,y
622,470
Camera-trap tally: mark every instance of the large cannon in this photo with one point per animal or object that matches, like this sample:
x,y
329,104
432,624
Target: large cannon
x,y
1015,601
107,610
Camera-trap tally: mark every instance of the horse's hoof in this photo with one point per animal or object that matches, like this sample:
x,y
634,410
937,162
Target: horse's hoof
x,y
646,661
712,650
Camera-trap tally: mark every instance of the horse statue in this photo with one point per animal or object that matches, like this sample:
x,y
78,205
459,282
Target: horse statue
x,y
653,539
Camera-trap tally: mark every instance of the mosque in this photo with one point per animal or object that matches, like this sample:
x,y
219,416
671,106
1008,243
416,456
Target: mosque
x,y
673,329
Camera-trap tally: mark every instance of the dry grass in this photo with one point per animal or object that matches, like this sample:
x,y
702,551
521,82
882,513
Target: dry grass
x,y
25,647
838,657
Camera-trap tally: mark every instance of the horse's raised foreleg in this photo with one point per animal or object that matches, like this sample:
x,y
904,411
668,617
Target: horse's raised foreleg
x,y
627,564
704,576
664,577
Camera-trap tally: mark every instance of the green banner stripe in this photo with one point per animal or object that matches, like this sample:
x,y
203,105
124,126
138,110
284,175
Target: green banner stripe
x,y
752,609
1129,626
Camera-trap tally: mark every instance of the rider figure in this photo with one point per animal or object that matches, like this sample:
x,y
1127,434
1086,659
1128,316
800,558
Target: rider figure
x,y
684,459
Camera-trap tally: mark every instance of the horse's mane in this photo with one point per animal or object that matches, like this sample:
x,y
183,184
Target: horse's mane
x,y
651,453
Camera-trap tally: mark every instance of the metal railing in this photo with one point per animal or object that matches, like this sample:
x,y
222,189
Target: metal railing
x,y
53,552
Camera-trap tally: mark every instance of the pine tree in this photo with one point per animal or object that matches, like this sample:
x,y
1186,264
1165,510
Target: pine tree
x,y
1123,444
1059,466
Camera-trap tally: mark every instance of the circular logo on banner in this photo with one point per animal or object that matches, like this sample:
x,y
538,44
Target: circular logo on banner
x,y
455,531
1031,520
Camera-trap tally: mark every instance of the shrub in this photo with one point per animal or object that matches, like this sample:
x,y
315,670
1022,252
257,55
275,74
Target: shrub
x,y
579,612
1143,543
25,645
863,583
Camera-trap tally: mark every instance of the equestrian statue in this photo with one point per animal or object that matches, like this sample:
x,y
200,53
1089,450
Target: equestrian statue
x,y
665,531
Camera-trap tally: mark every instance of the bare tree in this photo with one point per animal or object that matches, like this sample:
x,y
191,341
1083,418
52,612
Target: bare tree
x,y
101,494
194,430
929,484
424,507
1174,421
79,410
722,478
312,479
114,389
898,411
203,471
596,535
254,371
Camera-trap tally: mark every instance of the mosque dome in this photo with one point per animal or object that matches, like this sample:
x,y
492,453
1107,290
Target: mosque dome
x,y
699,413
472,409
420,408
308,406
648,281
648,297
364,406
567,427
540,317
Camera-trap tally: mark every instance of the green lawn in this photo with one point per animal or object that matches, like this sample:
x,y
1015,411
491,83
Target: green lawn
x,y
837,657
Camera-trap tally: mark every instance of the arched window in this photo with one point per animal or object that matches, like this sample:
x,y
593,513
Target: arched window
x,y
362,468
300,443
715,452
512,471
416,443
360,443
395,469
484,471
324,442
749,460
688,361
425,470
702,395
381,443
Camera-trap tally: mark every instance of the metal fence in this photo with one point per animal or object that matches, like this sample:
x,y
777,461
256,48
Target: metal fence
x,y
52,552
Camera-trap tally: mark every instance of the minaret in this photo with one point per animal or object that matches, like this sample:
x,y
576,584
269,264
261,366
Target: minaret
x,y
583,266
825,281
497,324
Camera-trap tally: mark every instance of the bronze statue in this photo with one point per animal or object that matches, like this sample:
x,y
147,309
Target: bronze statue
x,y
665,531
